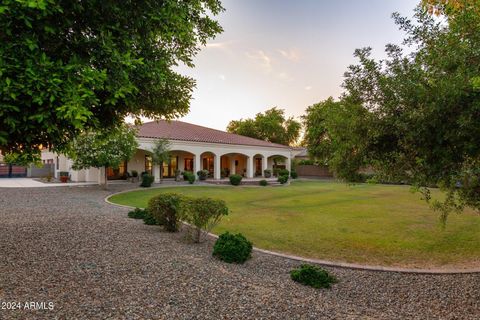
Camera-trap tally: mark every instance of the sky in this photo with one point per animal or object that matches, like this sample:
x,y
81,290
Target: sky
x,y
285,54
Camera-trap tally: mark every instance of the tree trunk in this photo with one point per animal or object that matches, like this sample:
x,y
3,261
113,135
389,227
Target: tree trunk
x,y
105,186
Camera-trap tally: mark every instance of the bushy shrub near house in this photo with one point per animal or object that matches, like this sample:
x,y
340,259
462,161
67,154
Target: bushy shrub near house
x,y
203,214
313,276
267,173
202,174
235,179
147,180
263,183
190,177
167,209
232,248
283,172
294,174
282,179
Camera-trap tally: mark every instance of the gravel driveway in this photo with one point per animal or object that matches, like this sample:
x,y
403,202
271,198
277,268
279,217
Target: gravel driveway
x,y
67,247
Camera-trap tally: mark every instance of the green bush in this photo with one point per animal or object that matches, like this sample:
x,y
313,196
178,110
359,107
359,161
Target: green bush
x,y
202,174
232,248
294,174
147,180
313,276
263,183
235,179
137,213
190,177
282,179
167,209
275,172
283,172
203,214
134,173
149,219
185,174
267,173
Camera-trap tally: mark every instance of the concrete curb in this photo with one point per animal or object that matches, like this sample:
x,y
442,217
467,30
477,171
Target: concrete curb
x,y
326,263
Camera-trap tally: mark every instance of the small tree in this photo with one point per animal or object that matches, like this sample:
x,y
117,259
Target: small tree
x,y
161,154
203,214
103,149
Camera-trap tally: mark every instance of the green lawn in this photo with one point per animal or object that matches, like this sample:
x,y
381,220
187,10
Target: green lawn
x,y
370,224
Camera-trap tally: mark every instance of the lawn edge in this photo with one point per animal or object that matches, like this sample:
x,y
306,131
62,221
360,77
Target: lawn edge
x,y
326,263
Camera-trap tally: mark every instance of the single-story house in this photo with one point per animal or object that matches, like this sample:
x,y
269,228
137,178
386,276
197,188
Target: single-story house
x,y
193,148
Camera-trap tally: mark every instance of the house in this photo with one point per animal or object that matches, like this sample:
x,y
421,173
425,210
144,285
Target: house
x,y
193,148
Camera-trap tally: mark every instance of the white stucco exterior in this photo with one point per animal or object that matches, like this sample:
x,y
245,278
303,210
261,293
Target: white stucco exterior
x,y
240,159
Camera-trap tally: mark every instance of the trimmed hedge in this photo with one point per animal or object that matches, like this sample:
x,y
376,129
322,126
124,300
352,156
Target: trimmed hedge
x,y
232,248
282,179
235,179
263,183
147,180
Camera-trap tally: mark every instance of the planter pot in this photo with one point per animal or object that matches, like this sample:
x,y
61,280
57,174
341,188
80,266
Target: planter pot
x,y
63,179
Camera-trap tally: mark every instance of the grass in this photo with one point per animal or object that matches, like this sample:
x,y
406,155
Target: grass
x,y
369,224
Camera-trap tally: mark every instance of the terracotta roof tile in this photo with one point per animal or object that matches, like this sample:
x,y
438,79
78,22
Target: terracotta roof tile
x,y
178,130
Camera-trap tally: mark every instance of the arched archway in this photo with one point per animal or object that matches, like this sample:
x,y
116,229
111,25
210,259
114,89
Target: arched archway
x,y
234,163
259,165
276,162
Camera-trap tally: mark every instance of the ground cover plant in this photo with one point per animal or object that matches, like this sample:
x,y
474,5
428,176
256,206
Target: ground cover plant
x,y
232,248
313,276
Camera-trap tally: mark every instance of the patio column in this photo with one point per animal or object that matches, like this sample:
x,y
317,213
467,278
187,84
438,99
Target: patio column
x,y
232,165
216,168
101,175
264,165
288,165
196,164
156,173
250,167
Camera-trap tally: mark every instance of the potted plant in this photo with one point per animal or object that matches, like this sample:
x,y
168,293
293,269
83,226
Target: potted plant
x,y
267,173
202,174
64,176
178,175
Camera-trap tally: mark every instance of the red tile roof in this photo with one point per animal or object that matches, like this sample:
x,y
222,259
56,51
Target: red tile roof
x,y
178,130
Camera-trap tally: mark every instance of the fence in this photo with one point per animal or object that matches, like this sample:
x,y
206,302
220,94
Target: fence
x,y
12,171
313,171
41,172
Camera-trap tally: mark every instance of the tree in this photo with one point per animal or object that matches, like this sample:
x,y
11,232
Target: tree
x,y
72,66
161,154
103,149
270,126
422,109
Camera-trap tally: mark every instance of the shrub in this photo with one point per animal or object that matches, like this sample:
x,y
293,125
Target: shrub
x,y
294,174
149,219
167,209
147,180
202,174
282,179
267,173
283,172
263,183
190,177
137,213
235,179
134,173
313,276
275,172
203,214
185,174
232,248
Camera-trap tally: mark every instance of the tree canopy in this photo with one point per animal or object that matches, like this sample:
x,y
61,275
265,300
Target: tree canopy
x,y
105,149
413,117
70,66
270,126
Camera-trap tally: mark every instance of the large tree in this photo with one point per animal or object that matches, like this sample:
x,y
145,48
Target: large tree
x,y
103,149
69,66
270,126
422,107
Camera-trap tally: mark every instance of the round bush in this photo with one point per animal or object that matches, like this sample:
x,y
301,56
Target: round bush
x,y
263,183
282,179
147,181
283,172
235,179
313,276
232,248
294,174
190,177
166,208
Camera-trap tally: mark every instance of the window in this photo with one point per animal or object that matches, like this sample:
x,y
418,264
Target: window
x,y
148,164
188,166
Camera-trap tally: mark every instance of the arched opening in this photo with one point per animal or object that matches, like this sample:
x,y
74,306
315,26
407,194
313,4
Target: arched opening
x,y
207,162
278,162
233,163
259,165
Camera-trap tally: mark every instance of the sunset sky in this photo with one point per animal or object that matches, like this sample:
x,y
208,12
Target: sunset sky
x,y
288,54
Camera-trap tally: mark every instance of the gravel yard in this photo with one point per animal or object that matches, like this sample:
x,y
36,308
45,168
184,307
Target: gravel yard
x,y
67,246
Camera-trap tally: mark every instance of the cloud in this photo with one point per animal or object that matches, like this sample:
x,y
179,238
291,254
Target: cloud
x,y
218,45
308,88
291,54
260,58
